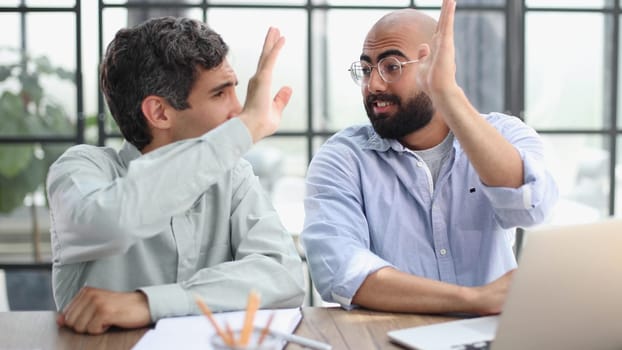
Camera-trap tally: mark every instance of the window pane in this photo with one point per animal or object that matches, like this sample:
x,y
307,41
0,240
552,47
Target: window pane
x,y
338,101
59,88
569,3
117,18
281,165
480,58
113,19
564,82
39,98
9,23
580,166
23,206
245,48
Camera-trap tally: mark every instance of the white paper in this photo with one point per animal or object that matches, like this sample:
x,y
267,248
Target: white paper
x,y
195,332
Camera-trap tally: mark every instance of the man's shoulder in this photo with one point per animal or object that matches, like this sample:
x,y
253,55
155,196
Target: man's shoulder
x,y
508,125
88,153
502,119
346,147
355,136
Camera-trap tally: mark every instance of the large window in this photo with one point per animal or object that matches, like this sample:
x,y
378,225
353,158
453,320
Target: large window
x,y
552,63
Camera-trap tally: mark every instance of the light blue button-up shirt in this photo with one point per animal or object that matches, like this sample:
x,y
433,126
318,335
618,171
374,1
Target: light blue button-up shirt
x,y
371,204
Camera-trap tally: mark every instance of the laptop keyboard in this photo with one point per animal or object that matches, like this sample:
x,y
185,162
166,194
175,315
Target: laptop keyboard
x,y
480,345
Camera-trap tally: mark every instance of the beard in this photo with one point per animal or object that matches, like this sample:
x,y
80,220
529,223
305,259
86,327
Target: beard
x,y
414,115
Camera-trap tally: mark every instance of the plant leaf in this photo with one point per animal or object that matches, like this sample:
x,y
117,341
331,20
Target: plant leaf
x,y
13,190
14,159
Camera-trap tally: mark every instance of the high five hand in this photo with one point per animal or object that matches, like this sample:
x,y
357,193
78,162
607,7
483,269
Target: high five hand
x,y
437,70
261,113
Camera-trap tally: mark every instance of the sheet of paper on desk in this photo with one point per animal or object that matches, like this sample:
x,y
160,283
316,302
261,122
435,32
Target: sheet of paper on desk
x,y
195,332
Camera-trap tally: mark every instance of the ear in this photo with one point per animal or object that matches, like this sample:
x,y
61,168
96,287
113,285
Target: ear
x,y
423,51
155,109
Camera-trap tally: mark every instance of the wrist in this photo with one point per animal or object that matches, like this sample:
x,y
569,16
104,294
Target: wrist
x,y
447,96
250,125
468,299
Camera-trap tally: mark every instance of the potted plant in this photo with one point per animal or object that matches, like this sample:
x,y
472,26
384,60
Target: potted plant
x,y
26,110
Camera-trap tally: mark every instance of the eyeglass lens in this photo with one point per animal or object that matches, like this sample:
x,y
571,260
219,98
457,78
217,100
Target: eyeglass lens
x,y
390,69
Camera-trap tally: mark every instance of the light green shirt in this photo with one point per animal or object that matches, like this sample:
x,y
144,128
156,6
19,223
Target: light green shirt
x,y
187,218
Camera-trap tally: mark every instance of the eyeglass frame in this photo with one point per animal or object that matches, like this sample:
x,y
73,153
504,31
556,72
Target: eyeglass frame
x,y
371,66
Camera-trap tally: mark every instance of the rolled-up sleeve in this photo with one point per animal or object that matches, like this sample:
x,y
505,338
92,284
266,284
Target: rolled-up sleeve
x,y
531,203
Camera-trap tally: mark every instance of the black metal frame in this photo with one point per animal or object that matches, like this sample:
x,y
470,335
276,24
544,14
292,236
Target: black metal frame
x,y
79,134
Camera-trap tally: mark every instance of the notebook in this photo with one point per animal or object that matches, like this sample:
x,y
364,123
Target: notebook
x,y
566,294
194,332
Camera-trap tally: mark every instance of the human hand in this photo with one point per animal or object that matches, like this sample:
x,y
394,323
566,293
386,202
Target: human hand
x,y
491,297
261,113
436,75
94,310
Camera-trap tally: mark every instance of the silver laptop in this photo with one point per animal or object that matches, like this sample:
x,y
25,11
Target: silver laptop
x,y
566,294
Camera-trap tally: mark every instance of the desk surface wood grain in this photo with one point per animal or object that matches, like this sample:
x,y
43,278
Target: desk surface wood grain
x,y
349,330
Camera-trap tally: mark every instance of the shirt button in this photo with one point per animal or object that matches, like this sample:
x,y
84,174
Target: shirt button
x,y
443,251
420,164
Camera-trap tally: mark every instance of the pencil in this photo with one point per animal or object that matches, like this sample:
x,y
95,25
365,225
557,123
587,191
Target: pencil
x,y
230,333
208,313
264,331
251,309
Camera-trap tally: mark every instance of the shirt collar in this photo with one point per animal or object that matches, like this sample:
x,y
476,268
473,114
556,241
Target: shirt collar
x,y
377,143
128,153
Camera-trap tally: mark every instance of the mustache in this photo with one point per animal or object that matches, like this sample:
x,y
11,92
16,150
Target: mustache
x,y
371,98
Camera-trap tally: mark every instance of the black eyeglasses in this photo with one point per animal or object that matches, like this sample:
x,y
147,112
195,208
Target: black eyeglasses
x,y
389,68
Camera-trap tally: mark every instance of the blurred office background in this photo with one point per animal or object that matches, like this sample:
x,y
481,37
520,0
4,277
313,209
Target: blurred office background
x,y
552,63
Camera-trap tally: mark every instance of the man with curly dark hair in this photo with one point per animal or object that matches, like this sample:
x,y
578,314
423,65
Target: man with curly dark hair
x,y
176,212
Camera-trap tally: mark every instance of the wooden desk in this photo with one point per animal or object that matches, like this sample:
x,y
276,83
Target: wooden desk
x,y
352,330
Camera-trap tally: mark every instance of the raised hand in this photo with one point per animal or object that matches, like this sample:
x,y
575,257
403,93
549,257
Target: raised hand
x,y
261,113
437,69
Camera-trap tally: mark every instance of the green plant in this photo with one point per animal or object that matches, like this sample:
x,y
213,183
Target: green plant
x,y
26,110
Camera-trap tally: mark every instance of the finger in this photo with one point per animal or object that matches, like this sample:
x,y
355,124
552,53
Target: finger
x,y
449,24
84,318
60,320
97,324
281,99
272,36
268,59
78,311
446,19
71,311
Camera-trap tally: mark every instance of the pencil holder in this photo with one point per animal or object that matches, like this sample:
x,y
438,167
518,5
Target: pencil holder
x,y
268,343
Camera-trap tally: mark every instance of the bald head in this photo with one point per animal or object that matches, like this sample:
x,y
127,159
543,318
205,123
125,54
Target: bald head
x,y
404,23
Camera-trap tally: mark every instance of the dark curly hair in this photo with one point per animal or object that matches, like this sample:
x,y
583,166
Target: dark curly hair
x,y
161,57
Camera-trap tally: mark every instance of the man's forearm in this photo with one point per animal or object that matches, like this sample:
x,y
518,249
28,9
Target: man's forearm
x,y
497,162
391,290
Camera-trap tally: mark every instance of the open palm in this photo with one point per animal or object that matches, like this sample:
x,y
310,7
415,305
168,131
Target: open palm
x,y
437,70
261,113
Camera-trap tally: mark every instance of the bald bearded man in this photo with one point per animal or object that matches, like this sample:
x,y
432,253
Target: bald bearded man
x,y
417,211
